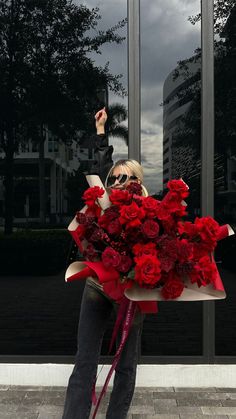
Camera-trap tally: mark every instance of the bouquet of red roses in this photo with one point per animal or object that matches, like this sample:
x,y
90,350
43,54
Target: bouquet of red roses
x,y
146,242
140,250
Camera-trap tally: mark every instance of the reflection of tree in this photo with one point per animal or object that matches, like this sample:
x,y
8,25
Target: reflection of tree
x,y
117,113
187,132
46,75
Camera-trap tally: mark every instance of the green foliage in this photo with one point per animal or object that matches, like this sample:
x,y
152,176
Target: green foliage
x,y
35,253
47,76
188,128
46,72
117,113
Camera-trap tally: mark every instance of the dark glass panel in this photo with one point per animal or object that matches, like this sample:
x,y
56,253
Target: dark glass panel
x,y
225,168
62,77
171,121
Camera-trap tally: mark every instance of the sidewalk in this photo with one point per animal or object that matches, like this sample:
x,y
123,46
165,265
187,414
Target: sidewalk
x,y
18,402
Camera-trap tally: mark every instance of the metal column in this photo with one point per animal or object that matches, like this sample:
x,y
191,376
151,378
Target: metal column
x,y
207,155
134,78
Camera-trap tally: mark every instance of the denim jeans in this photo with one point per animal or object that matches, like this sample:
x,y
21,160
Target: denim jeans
x,y
96,309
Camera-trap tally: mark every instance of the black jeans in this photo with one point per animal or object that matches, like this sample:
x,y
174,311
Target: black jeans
x,y
96,309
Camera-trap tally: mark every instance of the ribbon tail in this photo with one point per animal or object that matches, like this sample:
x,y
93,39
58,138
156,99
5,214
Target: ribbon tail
x,y
120,315
125,332
94,397
148,306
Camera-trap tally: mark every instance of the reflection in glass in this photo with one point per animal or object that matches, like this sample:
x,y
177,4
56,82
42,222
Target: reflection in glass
x,y
225,169
171,116
54,76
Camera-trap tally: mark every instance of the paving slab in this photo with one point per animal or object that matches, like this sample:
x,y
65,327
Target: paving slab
x,y
50,412
198,402
204,417
219,410
194,389
24,402
29,415
190,410
156,416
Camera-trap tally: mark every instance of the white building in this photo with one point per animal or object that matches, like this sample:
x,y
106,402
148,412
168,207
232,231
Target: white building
x,y
60,161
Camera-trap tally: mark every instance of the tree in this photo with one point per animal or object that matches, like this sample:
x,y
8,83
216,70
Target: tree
x,y
188,128
47,76
116,115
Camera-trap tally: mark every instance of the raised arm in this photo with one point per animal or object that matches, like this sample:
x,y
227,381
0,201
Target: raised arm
x,y
102,151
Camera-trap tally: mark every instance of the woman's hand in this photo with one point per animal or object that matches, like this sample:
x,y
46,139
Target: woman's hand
x,y
100,118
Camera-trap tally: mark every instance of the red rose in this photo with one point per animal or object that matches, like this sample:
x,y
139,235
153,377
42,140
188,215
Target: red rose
x,y
208,230
150,206
81,217
119,197
92,194
168,245
167,262
173,287
97,235
93,211
168,252
112,212
150,229
133,235
204,272
200,250
147,271
173,204
144,249
162,212
186,228
125,264
169,225
111,257
185,250
179,187
131,215
114,228
134,188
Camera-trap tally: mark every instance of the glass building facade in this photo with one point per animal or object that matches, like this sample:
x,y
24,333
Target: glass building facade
x,y
166,73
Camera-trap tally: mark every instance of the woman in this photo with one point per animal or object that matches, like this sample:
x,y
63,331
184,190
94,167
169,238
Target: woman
x,y
97,307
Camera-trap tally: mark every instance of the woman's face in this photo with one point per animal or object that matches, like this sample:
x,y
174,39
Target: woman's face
x,y
124,177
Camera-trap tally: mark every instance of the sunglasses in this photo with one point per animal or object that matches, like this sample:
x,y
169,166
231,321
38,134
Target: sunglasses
x,y
122,178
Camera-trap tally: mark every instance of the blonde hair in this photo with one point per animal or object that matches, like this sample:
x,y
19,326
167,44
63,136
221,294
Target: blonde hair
x,y
134,166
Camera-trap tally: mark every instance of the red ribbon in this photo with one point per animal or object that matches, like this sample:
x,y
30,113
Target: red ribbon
x,y
110,281
130,313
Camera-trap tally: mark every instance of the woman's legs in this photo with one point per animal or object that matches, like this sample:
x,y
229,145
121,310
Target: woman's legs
x,y
124,380
94,315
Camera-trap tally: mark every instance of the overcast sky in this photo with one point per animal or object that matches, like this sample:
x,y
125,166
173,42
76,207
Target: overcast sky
x,y
166,38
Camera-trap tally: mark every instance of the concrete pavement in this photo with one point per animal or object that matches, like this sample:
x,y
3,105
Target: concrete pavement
x,y
21,402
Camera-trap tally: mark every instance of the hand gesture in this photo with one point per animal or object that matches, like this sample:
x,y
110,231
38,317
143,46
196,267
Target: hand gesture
x,y
100,118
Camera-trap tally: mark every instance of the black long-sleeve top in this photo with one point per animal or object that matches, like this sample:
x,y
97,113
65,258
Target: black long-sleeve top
x,y
102,157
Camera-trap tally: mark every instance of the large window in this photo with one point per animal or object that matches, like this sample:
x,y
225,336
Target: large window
x,y
81,67
170,98
165,85
225,167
